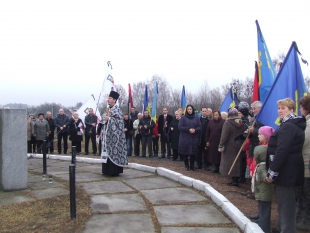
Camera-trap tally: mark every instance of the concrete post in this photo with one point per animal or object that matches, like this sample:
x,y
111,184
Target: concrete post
x,y
13,149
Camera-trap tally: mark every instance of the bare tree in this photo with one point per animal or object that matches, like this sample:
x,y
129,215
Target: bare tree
x,y
307,83
216,98
138,94
203,96
123,98
278,60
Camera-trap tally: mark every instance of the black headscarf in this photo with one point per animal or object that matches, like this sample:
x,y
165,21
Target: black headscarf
x,y
186,112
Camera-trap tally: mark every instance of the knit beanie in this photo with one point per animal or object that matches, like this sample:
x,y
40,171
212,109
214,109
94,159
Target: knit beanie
x,y
267,131
232,112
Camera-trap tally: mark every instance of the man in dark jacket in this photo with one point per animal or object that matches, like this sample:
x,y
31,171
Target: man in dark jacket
x,y
61,122
50,139
90,131
128,127
133,114
163,121
146,126
204,120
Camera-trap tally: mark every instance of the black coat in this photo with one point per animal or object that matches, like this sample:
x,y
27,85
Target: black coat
x,y
204,125
175,133
51,124
254,136
60,121
161,123
74,130
89,120
128,125
150,125
284,154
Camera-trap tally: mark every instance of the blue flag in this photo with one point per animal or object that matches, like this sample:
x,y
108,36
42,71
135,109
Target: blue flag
x,y
183,100
288,84
146,101
266,70
230,100
154,105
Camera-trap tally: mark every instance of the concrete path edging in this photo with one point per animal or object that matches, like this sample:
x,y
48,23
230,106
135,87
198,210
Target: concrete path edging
x,y
232,211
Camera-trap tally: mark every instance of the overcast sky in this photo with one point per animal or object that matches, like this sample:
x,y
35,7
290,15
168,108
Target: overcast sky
x,y
57,51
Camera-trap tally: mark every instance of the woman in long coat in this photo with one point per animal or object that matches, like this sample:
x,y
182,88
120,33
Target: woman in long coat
x,y
190,128
213,137
76,127
41,131
232,127
175,134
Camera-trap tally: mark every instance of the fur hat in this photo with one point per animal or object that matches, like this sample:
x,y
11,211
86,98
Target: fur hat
x,y
267,131
244,111
232,112
114,95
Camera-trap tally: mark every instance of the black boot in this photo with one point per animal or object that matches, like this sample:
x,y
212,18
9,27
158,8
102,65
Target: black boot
x,y
192,162
305,224
234,182
217,168
186,163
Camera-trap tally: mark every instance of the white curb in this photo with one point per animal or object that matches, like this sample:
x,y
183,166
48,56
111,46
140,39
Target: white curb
x,y
188,181
168,173
142,167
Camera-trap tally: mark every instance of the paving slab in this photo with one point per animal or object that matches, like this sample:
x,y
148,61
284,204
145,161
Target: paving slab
x,y
119,223
199,230
34,178
53,170
172,195
50,192
117,202
90,168
105,187
44,184
82,177
59,163
195,214
14,197
152,183
131,173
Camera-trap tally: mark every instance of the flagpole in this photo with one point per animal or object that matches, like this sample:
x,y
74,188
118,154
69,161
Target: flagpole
x,y
109,64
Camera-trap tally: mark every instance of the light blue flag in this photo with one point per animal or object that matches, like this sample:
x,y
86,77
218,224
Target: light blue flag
x,y
146,101
230,100
183,100
288,84
154,105
266,70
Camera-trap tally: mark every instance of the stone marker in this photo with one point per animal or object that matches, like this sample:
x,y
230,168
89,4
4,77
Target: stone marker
x,y
13,149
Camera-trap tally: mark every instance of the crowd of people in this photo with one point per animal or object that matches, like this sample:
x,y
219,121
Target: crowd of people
x,y
234,144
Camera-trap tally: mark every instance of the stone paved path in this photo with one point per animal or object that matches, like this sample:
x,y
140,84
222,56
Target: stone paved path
x,y
136,201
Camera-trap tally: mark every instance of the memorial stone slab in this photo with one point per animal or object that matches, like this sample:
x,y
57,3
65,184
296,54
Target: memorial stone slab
x,y
131,173
13,149
105,187
152,183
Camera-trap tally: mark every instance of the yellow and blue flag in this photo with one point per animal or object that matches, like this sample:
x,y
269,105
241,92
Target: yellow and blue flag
x,y
288,84
266,70
154,105
146,104
230,100
183,100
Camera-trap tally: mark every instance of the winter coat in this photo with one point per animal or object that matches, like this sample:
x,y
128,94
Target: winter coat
x,y
285,161
30,129
150,125
213,136
60,121
74,130
175,133
188,142
89,120
306,148
133,116
51,124
40,129
232,127
204,125
129,126
254,136
263,189
161,123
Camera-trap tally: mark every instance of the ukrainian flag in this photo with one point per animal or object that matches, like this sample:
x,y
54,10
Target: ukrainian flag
x,y
183,100
230,100
154,105
288,84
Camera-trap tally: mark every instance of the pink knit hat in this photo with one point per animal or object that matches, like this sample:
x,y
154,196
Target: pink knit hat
x,y
267,131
